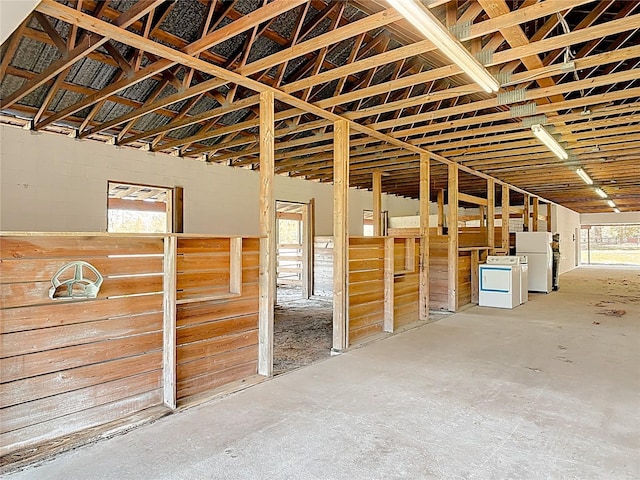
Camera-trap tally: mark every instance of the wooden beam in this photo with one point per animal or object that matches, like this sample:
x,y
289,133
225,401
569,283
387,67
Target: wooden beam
x,y
425,195
343,33
475,264
452,223
88,45
389,267
440,200
536,213
549,217
526,213
505,219
340,236
169,359
268,252
177,208
463,197
214,38
491,214
377,203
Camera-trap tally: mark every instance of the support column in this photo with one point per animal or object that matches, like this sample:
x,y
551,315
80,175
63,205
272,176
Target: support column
x,y
549,218
536,213
424,236
340,235
452,224
267,276
505,218
525,214
440,212
377,203
491,215
169,322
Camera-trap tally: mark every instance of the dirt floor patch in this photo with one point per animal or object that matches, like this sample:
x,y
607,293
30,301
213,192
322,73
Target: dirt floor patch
x,y
613,313
303,329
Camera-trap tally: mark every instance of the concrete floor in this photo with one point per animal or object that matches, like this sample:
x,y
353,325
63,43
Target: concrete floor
x,y
548,390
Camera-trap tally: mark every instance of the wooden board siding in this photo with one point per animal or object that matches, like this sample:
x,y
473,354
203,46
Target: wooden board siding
x,y
406,286
472,237
323,266
216,340
464,279
70,365
366,287
438,271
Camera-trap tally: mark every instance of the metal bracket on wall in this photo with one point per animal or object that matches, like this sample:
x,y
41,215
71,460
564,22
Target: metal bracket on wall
x,y
77,286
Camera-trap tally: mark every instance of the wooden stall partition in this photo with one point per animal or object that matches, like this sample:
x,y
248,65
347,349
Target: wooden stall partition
x,y
217,312
438,264
472,237
438,271
464,279
70,364
366,287
406,281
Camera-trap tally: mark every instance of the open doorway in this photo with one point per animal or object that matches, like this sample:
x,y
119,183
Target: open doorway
x,y
610,244
303,322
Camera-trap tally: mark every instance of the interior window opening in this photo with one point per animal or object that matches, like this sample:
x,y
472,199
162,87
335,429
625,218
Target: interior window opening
x,y
138,208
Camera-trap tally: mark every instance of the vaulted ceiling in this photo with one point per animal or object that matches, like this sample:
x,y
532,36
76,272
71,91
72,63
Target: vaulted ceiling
x,y
102,70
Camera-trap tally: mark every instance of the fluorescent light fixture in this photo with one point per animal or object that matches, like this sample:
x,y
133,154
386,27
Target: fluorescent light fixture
x,y
601,193
429,26
583,175
551,143
616,210
611,204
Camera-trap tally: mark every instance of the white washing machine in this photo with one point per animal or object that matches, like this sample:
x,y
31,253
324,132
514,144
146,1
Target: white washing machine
x,y
500,281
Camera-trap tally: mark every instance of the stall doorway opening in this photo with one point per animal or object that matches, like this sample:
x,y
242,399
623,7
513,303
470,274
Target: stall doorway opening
x,y
138,208
610,244
303,323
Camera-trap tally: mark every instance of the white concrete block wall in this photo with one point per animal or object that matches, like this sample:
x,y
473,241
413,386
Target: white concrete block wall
x,y
50,182
565,222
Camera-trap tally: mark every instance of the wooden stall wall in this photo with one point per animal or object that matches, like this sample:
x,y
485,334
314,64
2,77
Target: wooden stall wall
x,y
438,271
438,265
323,266
406,281
366,287
464,279
216,338
67,365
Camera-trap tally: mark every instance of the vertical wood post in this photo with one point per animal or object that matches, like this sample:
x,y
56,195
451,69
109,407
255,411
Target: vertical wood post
x,y
267,275
177,210
340,235
549,218
525,214
425,195
452,224
235,265
440,212
389,267
491,214
377,203
505,218
312,237
536,213
475,265
307,248
169,322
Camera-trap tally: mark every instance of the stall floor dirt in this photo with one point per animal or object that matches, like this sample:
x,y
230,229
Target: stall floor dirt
x,y
302,329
